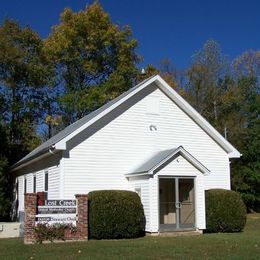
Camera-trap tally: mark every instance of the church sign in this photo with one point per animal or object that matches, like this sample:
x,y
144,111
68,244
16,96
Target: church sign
x,y
57,211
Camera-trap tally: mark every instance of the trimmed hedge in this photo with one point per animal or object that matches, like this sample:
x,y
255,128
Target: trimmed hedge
x,y
225,211
115,214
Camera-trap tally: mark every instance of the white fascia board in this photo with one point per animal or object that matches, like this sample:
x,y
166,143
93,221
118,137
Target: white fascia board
x,y
129,175
61,145
202,122
194,162
186,156
234,154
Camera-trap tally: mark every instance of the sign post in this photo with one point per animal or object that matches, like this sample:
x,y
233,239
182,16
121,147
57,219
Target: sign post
x,y
39,210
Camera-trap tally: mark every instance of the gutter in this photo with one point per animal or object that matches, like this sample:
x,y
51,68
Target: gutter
x,y
38,156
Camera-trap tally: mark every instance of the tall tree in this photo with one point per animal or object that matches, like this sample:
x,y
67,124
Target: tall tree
x,y
95,59
169,73
5,183
246,171
208,67
229,99
247,64
21,77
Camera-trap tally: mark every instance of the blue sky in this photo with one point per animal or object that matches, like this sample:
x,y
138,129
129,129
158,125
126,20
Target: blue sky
x,y
163,28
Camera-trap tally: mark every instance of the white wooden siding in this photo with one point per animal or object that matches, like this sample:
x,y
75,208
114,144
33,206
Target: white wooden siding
x,y
154,217
40,181
200,202
54,183
143,184
29,183
50,163
101,160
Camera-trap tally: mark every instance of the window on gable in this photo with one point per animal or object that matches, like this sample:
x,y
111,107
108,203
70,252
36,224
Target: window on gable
x,y
152,105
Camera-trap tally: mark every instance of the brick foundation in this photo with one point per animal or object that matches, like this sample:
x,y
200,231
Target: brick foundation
x,y
30,208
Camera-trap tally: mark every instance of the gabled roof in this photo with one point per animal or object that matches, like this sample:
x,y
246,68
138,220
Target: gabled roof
x,y
58,142
164,157
50,143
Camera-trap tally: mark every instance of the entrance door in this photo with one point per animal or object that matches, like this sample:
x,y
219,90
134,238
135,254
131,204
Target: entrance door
x,y
176,199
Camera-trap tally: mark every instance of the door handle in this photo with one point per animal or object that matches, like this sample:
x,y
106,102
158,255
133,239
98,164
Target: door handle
x,y
177,205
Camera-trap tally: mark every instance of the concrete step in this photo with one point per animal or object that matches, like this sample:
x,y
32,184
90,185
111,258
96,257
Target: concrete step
x,y
181,233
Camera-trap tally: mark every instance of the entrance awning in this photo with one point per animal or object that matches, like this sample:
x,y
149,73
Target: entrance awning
x,y
162,158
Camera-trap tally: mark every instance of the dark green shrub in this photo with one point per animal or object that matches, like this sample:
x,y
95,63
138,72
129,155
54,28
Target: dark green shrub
x,y
225,211
115,214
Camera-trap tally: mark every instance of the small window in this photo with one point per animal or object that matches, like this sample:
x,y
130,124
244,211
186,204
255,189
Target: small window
x,y
34,183
152,105
17,188
138,191
46,180
25,185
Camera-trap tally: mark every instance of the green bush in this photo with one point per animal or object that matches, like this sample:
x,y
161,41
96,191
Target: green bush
x,y
225,211
115,214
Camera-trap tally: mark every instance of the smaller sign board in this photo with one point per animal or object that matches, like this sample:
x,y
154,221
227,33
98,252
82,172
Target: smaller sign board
x,y
48,210
52,219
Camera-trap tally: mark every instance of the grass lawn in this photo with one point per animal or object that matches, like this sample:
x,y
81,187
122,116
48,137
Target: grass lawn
x,y
244,245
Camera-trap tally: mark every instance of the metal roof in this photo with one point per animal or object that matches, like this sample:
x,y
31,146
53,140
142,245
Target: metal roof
x,y
153,161
161,157
44,147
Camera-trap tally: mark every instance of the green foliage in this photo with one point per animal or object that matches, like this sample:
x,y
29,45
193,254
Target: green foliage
x,y
247,64
228,95
115,214
246,177
22,74
208,68
225,211
4,190
45,232
94,58
86,61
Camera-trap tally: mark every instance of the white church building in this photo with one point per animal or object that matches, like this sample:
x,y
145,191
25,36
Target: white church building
x,y
148,140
